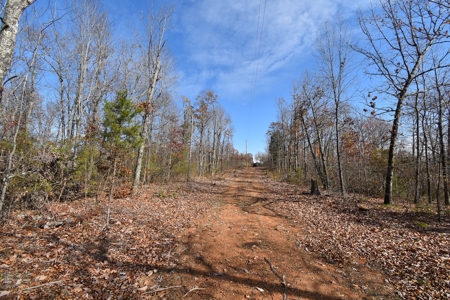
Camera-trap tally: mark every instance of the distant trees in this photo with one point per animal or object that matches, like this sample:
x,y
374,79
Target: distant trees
x,y
302,143
213,128
408,122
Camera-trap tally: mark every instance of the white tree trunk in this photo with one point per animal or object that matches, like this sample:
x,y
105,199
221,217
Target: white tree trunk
x,y
8,32
145,123
156,31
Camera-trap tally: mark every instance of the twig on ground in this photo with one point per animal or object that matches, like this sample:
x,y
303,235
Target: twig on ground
x,y
107,218
282,278
41,285
273,269
284,288
163,289
193,289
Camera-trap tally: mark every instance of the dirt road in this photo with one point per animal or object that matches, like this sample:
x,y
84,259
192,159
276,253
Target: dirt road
x,y
242,250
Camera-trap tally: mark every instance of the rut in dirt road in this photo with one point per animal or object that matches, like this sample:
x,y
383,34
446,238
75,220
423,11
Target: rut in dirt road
x,y
243,250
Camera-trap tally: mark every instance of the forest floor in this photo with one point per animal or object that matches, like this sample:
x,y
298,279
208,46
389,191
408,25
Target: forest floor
x,y
241,235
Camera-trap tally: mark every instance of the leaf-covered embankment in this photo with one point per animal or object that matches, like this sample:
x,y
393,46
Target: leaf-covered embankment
x,y
65,251
410,246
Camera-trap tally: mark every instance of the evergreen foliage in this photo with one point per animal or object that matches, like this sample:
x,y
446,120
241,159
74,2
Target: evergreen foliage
x,y
121,130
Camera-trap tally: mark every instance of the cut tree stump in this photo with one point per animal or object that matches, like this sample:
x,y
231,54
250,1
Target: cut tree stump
x,y
314,187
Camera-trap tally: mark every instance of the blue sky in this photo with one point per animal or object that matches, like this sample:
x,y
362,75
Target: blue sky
x,y
215,45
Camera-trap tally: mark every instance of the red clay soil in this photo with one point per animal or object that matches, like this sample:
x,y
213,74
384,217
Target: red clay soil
x,y
243,250
210,239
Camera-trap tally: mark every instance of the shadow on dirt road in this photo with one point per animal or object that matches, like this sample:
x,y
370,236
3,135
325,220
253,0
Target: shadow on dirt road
x,y
243,250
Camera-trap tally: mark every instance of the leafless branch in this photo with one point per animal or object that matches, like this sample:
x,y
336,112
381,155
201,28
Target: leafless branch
x,y
191,290
41,285
282,278
163,289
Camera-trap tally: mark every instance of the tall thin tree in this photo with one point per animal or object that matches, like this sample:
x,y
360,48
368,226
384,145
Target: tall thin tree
x,y
400,35
333,52
9,27
153,53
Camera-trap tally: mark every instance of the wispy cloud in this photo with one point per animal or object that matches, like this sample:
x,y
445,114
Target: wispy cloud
x,y
220,40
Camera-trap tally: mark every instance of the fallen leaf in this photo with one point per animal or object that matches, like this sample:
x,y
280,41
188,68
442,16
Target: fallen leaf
x,y
41,278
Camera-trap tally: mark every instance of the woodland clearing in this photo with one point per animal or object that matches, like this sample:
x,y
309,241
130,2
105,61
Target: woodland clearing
x,y
240,235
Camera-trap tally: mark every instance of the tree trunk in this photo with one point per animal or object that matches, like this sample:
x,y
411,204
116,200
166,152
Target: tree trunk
x,y
392,146
169,167
448,141
394,132
338,153
111,192
9,164
144,131
188,178
443,158
315,160
401,63
32,85
13,10
314,188
438,200
325,178
214,147
417,156
427,161
201,152
156,50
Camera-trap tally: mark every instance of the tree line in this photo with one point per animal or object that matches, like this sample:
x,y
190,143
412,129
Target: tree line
x,y
397,145
82,114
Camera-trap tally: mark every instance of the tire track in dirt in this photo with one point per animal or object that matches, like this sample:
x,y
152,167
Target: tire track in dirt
x,y
242,250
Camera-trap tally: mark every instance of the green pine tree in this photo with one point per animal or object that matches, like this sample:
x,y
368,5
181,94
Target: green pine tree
x,y
121,133
121,130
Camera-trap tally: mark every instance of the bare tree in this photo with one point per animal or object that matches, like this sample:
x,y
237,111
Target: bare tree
x,y
151,61
440,82
308,98
203,114
223,124
59,59
188,128
100,78
90,38
220,123
281,130
21,98
333,48
400,35
10,17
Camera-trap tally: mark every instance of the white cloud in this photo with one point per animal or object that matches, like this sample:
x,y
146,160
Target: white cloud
x,y
219,40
